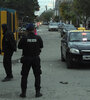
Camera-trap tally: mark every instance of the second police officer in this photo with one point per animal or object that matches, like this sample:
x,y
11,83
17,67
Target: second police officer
x,y
8,47
31,46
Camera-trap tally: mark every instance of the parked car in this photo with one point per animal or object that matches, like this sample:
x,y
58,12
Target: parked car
x,y
61,25
66,28
45,23
53,26
75,47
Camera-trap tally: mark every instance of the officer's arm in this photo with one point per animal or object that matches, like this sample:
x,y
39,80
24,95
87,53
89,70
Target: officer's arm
x,y
41,42
12,41
20,44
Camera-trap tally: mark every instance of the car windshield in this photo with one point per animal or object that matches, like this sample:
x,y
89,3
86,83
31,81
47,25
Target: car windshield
x,y
79,36
54,24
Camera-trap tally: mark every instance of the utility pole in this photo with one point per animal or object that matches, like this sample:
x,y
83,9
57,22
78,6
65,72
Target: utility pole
x,y
54,3
46,7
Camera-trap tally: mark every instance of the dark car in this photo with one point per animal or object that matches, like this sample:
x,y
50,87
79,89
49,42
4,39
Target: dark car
x,y
75,47
45,23
60,25
66,28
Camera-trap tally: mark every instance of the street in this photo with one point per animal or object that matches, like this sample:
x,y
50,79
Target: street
x,y
57,82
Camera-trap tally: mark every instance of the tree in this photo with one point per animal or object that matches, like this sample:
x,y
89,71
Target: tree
x,y
46,15
66,11
56,18
23,7
81,9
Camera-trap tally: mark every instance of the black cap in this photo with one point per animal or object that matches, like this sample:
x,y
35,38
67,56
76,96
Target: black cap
x,y
30,27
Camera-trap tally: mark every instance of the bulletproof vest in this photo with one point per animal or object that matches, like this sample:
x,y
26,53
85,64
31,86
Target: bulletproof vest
x,y
31,46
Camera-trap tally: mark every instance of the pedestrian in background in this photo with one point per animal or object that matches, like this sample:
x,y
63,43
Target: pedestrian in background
x,y
31,46
35,31
8,47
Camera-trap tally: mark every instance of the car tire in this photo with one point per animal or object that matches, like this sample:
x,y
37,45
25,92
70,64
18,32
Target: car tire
x,y
69,65
69,62
62,58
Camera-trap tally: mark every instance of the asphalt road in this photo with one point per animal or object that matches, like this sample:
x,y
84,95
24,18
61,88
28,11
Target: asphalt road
x,y
58,82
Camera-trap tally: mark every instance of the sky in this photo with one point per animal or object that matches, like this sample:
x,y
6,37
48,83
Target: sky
x,y
44,3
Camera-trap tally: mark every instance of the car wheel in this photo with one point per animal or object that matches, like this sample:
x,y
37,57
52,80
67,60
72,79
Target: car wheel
x,y
61,35
69,62
62,58
69,65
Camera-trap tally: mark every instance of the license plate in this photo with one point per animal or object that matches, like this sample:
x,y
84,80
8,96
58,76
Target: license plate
x,y
86,57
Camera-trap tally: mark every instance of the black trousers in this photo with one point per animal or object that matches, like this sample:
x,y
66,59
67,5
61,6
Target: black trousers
x,y
29,62
7,63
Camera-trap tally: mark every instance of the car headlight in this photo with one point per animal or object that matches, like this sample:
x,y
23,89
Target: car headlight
x,y
75,51
64,30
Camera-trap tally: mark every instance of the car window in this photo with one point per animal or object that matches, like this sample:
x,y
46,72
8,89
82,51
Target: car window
x,y
54,24
79,36
70,27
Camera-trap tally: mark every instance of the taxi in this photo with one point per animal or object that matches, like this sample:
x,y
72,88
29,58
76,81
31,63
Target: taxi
x,y
81,28
75,47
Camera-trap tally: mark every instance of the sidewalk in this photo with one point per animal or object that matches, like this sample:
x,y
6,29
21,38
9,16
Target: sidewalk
x,y
11,90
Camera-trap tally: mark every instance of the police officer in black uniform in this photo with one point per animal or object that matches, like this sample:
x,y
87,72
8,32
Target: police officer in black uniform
x,y
31,46
8,47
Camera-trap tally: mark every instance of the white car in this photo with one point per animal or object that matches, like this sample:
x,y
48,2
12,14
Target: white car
x,y
53,27
23,29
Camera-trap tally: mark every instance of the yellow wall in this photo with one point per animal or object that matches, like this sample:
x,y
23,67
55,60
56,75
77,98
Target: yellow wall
x,y
3,21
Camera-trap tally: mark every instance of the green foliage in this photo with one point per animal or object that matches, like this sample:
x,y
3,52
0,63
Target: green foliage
x,y
66,12
81,9
78,10
81,6
23,7
56,19
46,16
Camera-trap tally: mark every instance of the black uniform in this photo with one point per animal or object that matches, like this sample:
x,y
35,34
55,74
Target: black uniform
x,y
8,47
31,46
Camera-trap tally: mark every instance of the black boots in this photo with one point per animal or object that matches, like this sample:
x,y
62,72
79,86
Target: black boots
x,y
38,94
7,79
23,94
